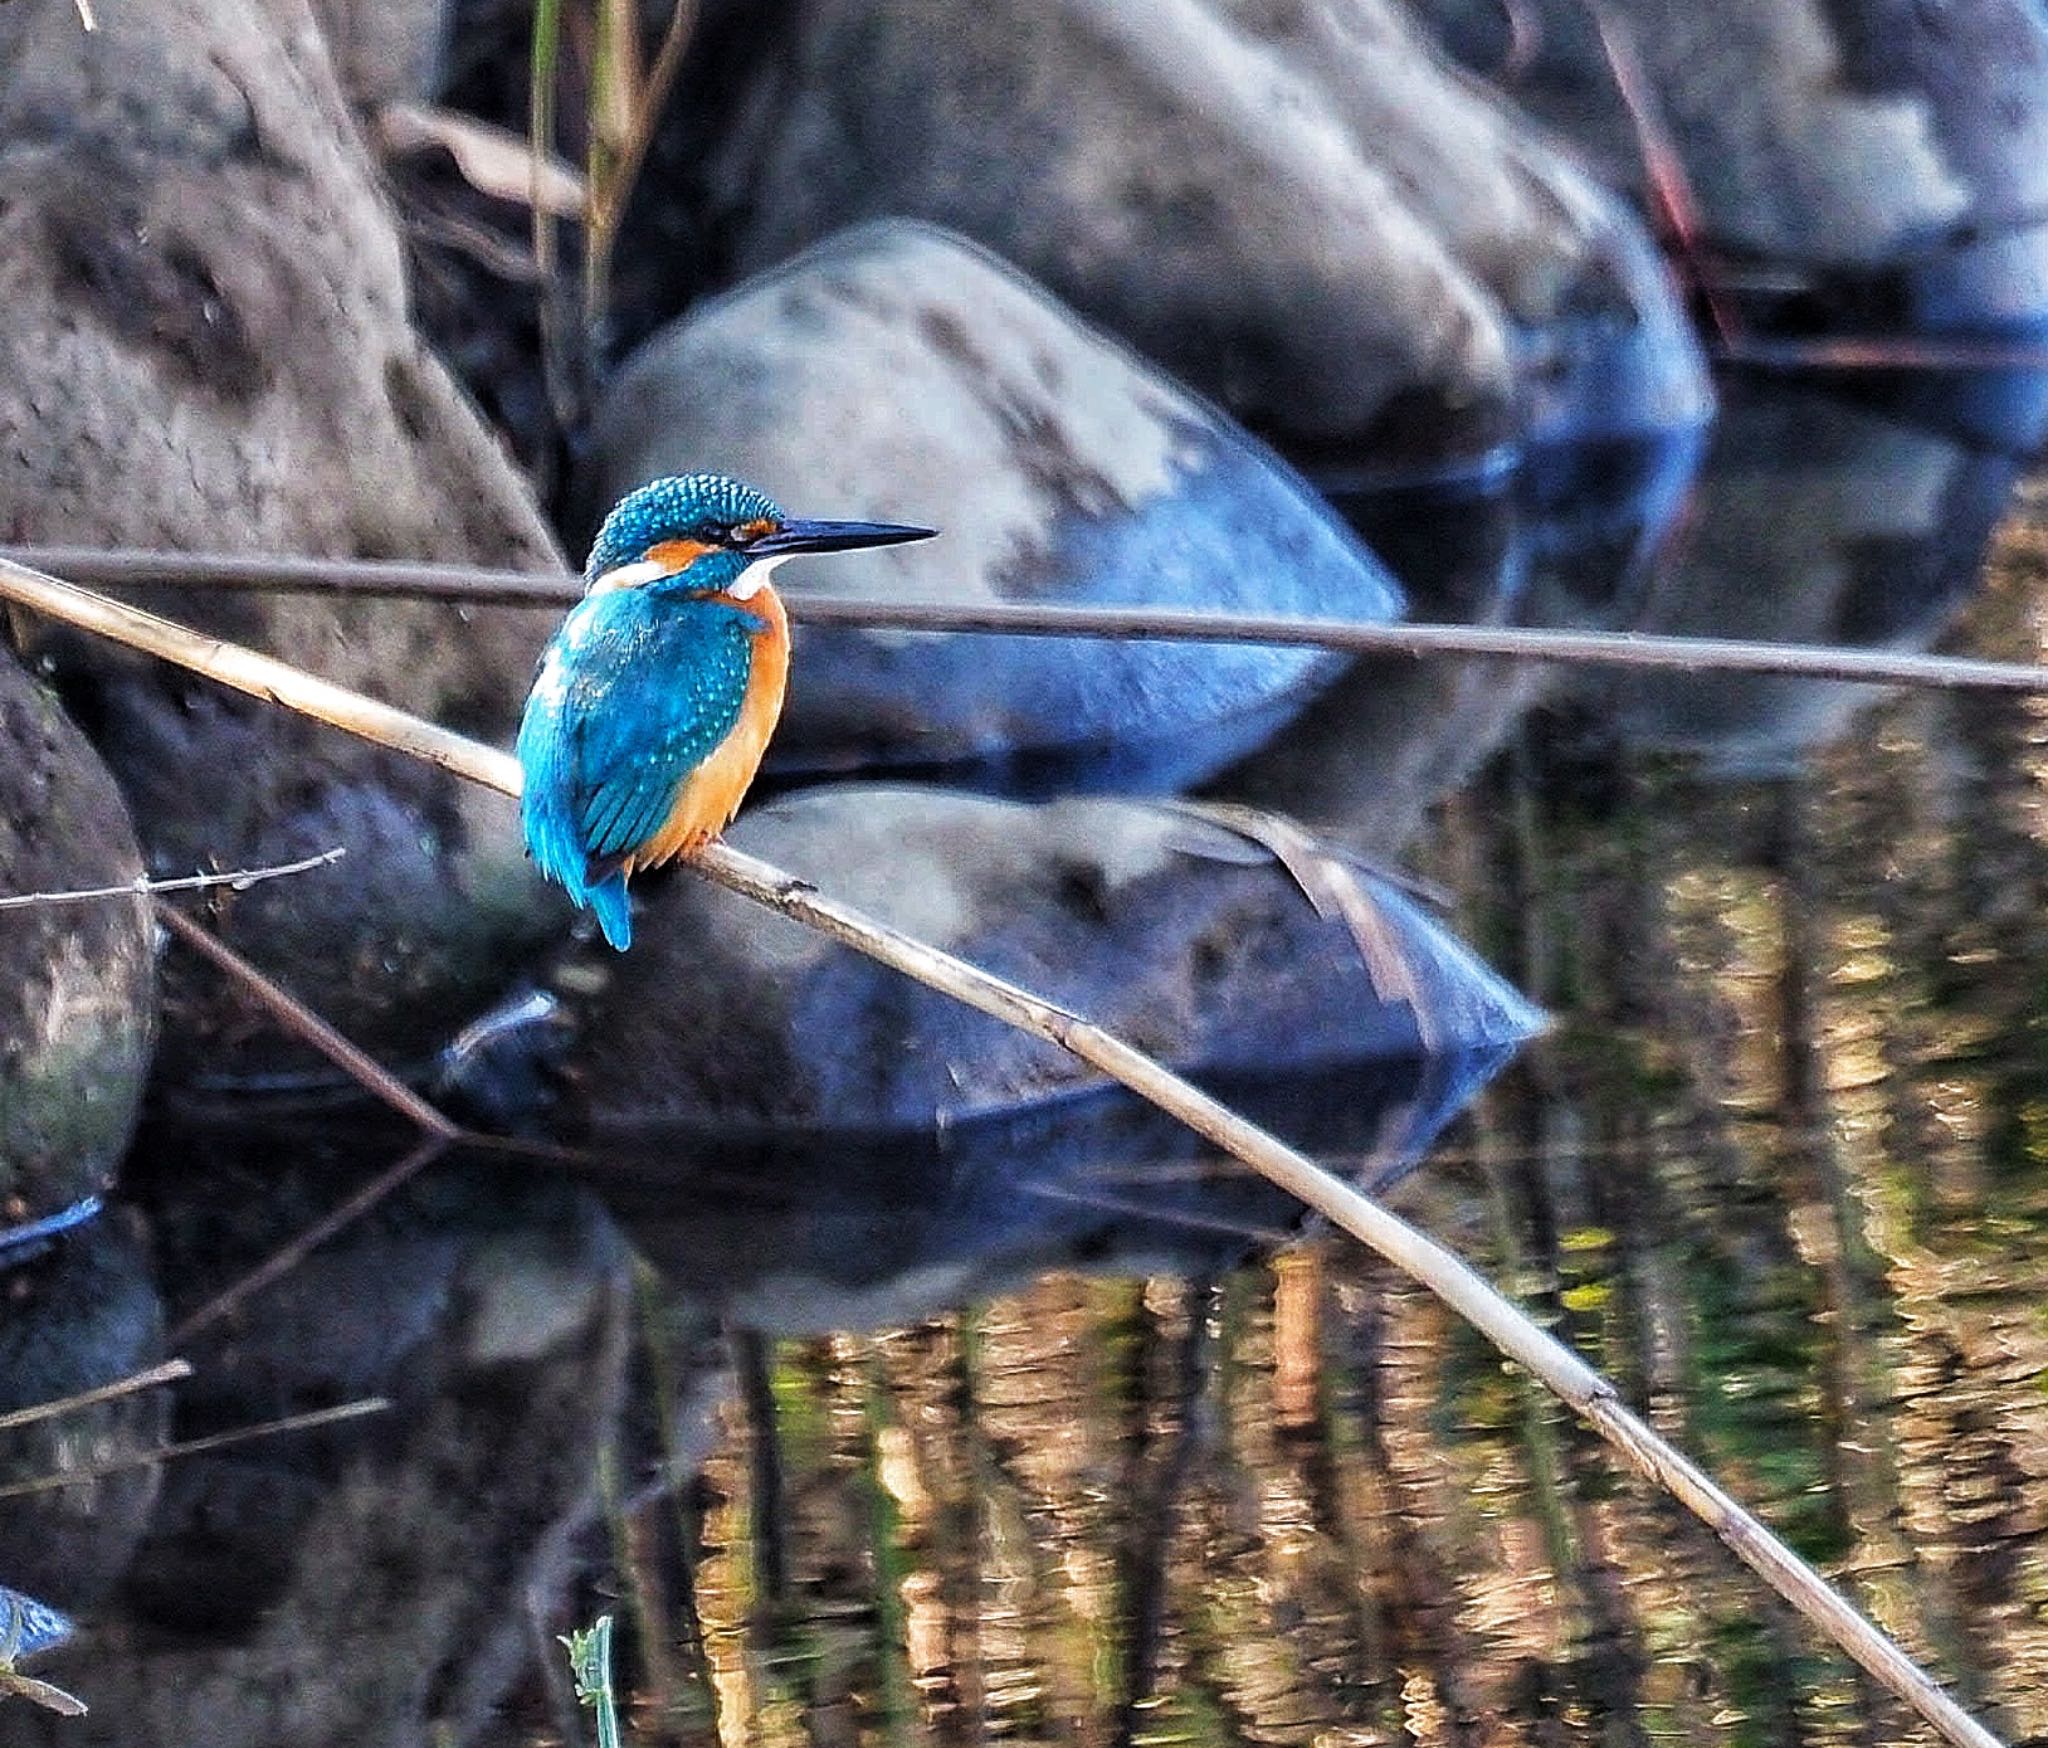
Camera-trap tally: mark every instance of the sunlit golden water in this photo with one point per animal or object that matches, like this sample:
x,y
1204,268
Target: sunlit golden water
x,y
1780,1170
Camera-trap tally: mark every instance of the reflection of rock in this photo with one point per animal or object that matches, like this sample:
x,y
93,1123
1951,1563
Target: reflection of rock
x,y
206,346
367,1584
1898,152
81,1314
1186,939
1296,207
1390,736
861,1232
1814,520
31,1627
77,981
896,372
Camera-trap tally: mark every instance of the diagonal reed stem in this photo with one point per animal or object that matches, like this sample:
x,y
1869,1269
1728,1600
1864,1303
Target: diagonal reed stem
x,y
169,1372
1420,1257
192,1447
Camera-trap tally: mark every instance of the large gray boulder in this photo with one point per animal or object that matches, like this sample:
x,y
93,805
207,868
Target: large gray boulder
x,y
77,981
205,346
900,372
729,1021
1299,208
1895,152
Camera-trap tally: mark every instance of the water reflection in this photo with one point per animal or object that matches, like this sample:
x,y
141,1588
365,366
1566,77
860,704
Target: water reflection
x,y
1029,1430
364,1581
1818,518
803,1236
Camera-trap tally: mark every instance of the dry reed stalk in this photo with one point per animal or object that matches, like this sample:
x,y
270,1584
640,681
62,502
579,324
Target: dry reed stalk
x,y
1418,1256
302,1244
472,586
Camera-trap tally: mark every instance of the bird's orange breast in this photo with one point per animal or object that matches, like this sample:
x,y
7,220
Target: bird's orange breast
x,y
711,794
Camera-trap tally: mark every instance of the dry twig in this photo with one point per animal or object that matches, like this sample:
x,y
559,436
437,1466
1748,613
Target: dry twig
x,y
307,1026
191,1447
288,1256
1664,169
170,1372
143,887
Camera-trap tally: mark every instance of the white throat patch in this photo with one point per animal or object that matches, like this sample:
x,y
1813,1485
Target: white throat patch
x,y
749,582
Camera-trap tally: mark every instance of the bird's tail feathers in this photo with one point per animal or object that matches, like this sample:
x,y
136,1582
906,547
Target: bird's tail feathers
x,y
613,910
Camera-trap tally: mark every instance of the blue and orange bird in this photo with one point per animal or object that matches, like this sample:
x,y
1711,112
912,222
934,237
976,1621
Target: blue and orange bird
x,y
654,703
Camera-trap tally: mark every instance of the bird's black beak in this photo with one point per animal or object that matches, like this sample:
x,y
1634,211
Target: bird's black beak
x,y
832,537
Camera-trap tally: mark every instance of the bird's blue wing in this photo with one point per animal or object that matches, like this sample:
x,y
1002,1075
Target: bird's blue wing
x,y
667,704
634,693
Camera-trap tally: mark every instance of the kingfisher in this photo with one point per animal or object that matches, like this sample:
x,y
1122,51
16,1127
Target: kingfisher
x,y
653,703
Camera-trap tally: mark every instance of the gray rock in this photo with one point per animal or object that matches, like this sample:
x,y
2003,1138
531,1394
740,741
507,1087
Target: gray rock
x,y
1897,152
899,372
1184,938
77,981
385,51
1299,208
206,347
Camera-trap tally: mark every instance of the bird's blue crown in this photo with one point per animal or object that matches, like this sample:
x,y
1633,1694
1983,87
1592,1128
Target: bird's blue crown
x,y
691,506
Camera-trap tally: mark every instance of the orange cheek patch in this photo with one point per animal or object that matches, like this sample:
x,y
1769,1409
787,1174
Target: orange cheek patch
x,y
755,530
678,555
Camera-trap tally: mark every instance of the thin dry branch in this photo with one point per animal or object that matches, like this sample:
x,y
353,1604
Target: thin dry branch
x,y
240,880
475,587
170,1372
191,1447
439,1131
288,1256
303,1023
1859,352
1420,1257
1664,168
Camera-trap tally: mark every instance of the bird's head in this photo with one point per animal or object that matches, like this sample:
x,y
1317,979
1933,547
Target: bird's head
x,y
704,533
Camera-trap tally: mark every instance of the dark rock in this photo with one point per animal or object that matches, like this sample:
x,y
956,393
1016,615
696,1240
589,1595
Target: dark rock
x,y
77,981
897,372
1186,939
1299,208
81,1314
1895,153
206,348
